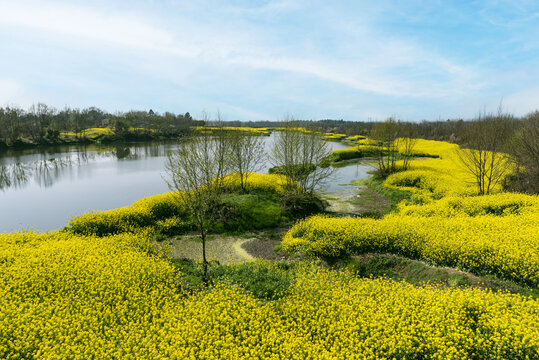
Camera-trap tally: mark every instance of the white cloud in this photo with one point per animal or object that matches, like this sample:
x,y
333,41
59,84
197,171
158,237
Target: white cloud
x,y
11,91
215,45
84,22
522,102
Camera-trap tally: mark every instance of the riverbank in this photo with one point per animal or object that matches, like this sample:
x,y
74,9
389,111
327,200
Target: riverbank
x,y
91,136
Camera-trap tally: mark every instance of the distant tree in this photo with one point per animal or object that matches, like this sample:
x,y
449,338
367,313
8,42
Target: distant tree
x,y
387,136
524,148
246,154
121,126
298,153
196,173
483,155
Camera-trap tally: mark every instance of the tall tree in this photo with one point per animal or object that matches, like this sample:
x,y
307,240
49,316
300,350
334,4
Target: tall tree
x,y
298,154
196,173
387,136
246,154
483,155
524,149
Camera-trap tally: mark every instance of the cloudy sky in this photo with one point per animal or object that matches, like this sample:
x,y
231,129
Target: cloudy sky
x,y
253,60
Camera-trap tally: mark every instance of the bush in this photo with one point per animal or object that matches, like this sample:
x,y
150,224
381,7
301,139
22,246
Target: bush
x,y
298,171
302,204
265,280
257,211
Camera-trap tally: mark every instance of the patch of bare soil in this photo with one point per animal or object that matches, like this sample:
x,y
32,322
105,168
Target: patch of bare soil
x,y
227,249
263,248
222,249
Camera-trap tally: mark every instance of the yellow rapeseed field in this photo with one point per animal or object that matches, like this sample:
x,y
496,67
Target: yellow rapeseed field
x,y
496,234
334,137
83,293
91,133
80,297
433,178
355,138
209,129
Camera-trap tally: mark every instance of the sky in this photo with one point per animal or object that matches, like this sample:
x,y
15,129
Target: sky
x,y
263,60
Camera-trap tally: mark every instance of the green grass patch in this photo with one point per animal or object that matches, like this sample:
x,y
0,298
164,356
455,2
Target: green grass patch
x,y
256,210
376,184
266,280
419,273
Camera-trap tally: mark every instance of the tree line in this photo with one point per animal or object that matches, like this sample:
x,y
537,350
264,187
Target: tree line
x,y
42,124
495,148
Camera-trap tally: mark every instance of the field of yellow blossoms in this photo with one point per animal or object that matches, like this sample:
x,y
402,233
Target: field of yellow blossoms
x,y
494,234
70,296
101,289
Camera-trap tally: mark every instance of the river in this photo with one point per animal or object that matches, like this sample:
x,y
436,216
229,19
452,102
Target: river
x,y
41,188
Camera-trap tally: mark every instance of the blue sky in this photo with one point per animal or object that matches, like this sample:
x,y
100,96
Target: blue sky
x,y
253,60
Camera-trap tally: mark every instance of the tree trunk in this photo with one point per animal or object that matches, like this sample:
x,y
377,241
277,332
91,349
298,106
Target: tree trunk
x,y
205,279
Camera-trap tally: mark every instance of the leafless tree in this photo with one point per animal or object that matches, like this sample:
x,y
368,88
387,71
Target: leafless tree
x,y
196,173
407,143
483,155
524,148
387,136
298,153
246,154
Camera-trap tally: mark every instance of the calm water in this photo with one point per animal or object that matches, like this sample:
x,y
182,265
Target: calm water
x,y
41,189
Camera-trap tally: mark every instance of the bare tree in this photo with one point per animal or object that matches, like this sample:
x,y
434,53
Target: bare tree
x,y
387,136
298,153
483,155
196,173
246,154
407,143
524,148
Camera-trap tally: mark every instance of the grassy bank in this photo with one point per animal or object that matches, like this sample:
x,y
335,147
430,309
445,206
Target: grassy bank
x,y
262,206
377,199
94,135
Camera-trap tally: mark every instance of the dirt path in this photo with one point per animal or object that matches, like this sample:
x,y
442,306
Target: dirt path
x,y
356,201
227,249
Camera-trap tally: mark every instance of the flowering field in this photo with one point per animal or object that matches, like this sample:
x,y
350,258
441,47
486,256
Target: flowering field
x,y
92,133
256,131
440,174
494,234
506,246
69,296
354,152
334,137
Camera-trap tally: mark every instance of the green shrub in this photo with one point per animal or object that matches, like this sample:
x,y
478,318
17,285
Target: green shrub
x,y
265,280
257,211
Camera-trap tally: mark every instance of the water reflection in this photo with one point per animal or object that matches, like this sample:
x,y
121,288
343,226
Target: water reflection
x,y
42,188
46,166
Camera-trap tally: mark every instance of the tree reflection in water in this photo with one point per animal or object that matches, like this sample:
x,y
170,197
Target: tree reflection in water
x,y
46,166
